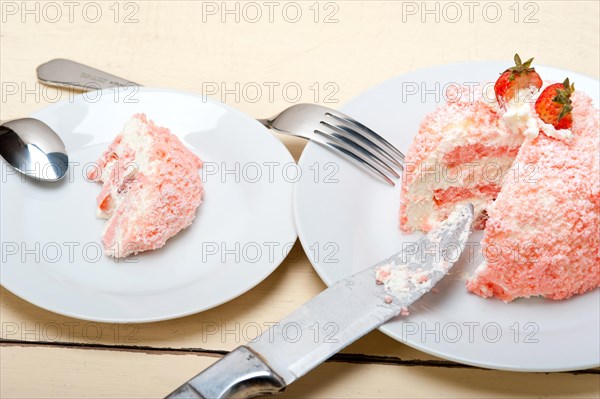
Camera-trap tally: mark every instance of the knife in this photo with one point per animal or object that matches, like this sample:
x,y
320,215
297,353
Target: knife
x,y
71,74
333,319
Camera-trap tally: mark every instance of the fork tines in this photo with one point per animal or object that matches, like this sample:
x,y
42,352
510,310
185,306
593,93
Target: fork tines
x,y
355,140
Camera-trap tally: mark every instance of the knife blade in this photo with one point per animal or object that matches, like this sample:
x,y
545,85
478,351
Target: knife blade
x,y
335,318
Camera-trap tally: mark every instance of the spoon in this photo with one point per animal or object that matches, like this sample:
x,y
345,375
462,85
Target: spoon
x,y
34,149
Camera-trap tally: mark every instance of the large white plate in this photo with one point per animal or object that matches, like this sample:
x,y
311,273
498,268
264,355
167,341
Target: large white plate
x,y
353,223
242,232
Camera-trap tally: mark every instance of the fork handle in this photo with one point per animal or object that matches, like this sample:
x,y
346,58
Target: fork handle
x,y
67,73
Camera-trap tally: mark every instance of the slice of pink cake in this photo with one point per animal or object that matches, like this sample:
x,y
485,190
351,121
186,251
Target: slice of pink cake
x,y
543,229
151,188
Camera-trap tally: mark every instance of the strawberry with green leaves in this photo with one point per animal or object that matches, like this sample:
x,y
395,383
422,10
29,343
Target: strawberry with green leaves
x,y
554,105
514,79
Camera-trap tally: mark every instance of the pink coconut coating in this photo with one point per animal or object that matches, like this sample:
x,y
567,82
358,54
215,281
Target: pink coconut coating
x,y
482,123
542,234
155,203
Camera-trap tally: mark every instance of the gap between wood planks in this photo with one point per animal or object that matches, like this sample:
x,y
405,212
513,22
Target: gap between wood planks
x,y
337,358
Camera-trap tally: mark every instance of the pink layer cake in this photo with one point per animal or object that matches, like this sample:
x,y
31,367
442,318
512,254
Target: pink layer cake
x,y
538,184
542,234
151,188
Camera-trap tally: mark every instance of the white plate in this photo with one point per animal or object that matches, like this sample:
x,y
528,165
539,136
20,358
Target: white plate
x,y
242,232
351,224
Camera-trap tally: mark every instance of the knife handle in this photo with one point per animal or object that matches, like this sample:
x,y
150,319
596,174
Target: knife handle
x,y
66,73
240,374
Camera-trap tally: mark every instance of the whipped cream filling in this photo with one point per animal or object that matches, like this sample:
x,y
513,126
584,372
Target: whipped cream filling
x,y
561,134
520,117
401,280
134,137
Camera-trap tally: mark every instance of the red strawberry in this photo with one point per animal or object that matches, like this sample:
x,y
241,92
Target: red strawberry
x,y
554,105
521,76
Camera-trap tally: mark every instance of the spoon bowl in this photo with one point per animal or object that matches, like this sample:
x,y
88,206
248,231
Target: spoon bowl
x,y
34,149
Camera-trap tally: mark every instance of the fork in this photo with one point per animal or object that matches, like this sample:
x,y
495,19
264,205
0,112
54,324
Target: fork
x,y
342,134
325,126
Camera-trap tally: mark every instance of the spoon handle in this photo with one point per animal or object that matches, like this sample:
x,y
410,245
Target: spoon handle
x,y
67,73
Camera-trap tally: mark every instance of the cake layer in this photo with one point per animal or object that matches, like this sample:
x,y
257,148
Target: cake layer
x,y
434,194
471,152
452,195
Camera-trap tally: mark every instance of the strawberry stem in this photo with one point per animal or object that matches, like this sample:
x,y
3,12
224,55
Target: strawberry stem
x,y
563,97
520,67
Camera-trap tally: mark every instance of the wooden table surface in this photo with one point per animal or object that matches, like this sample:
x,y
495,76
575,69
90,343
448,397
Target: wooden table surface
x,y
330,51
